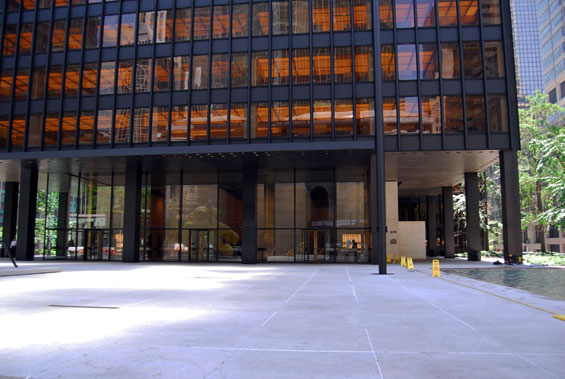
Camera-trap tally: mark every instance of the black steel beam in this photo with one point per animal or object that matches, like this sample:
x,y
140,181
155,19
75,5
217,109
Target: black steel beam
x,y
249,238
448,224
432,226
132,212
473,230
378,212
26,213
510,193
10,214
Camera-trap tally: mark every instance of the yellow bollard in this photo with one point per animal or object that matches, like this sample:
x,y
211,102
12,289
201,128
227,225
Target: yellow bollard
x,y
388,258
410,264
403,261
435,268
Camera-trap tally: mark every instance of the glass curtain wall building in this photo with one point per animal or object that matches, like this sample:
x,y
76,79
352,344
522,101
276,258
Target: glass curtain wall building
x,y
552,39
249,131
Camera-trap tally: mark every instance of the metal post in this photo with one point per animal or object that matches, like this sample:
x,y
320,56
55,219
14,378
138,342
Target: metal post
x,y
448,224
10,213
510,193
249,240
132,208
378,212
473,230
25,246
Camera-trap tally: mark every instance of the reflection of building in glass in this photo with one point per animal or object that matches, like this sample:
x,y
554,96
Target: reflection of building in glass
x,y
263,131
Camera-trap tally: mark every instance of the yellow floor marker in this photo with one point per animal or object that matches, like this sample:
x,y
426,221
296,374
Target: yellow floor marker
x,y
435,268
559,317
403,261
409,263
388,258
396,260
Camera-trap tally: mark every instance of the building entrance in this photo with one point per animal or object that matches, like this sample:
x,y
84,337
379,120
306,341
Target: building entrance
x,y
317,246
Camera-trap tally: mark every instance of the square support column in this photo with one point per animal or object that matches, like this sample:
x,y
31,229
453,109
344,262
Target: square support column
x,y
448,223
249,232
432,226
132,212
378,212
25,244
473,230
510,193
10,214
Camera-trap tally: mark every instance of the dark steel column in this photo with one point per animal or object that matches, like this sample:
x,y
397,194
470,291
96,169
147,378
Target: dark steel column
x,y
249,240
378,212
132,212
25,247
432,226
10,214
473,230
448,224
510,193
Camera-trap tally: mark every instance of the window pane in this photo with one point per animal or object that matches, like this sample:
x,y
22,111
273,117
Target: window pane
x,y
55,81
426,13
453,114
143,75
450,61
238,121
121,127
18,130
239,20
407,62
89,76
218,121
387,62
491,12
365,117
322,65
160,124
162,74
72,79
68,128
106,78
92,36
342,15
472,60
21,84
26,33
322,117
497,113
127,29
41,37
447,10
475,113
201,23
200,72
385,11
110,31
50,130
280,17
145,28
37,83
409,119
86,128
58,35
125,77
300,17
428,61
469,12
221,25
260,20
301,118
279,67
494,58
301,66
259,120
364,63
140,125
4,125
181,72
75,34
198,122
183,24
6,84
104,126
220,71
260,68
239,70
431,115
343,117
404,13
279,119
389,115
362,16
321,15
342,64
34,130
164,26
179,119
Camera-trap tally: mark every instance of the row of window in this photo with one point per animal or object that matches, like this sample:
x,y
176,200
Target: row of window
x,y
412,115
166,73
114,30
430,13
14,5
410,62
177,123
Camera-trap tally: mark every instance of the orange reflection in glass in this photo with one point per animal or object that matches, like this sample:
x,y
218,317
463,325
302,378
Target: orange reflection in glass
x,y
238,121
469,12
321,16
18,130
343,117
179,120
279,119
322,117
218,121
198,122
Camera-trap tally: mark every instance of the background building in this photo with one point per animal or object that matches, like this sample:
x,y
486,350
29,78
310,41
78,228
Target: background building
x,y
552,39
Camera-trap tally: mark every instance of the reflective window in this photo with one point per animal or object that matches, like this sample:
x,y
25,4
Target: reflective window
x,y
124,84
491,12
179,119
407,69
408,113
475,113
239,69
426,13
472,60
41,37
321,16
6,84
431,115
404,13
469,12
86,128
58,35
55,82
201,23
280,17
447,10
322,65
183,24
18,130
181,72
218,121
106,86
160,124
34,130
453,114
89,77
322,117
4,126
259,120
110,37
164,26
300,17
279,67
72,80
140,125
389,115
301,118
200,72
75,34
343,117
145,28
68,128
494,58
92,34
428,61
343,70
388,62
37,82
260,20
365,117
162,74
198,122
497,113
364,63
121,126
238,120
342,15
362,16
104,126
143,71
385,12
221,25
50,129
220,71
300,66
450,60
21,84
240,13
127,29
260,68
26,35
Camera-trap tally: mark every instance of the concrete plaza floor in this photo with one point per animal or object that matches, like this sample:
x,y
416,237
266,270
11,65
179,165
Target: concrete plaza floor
x,y
272,321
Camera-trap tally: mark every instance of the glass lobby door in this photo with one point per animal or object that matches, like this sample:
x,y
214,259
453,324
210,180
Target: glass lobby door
x,y
316,245
96,245
200,244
